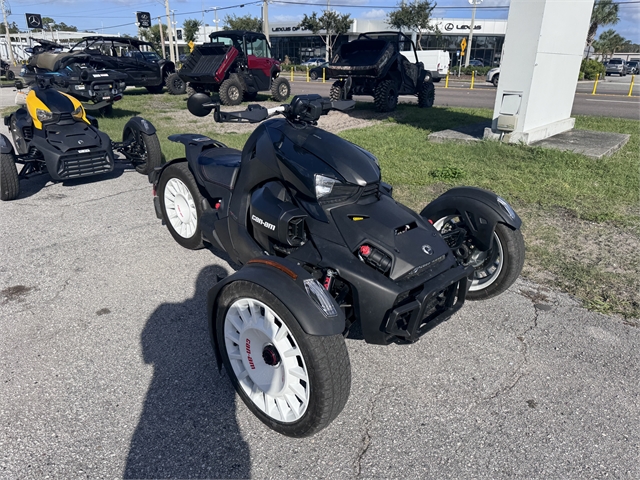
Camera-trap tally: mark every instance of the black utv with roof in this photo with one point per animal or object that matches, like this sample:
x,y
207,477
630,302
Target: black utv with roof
x,y
138,59
373,64
75,74
236,64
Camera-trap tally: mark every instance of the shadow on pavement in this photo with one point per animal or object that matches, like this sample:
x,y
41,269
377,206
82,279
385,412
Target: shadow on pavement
x,y
187,428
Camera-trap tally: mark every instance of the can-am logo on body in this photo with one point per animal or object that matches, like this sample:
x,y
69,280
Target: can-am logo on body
x,y
247,347
259,221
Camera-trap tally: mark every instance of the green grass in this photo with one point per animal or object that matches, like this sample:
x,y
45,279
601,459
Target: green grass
x,y
597,190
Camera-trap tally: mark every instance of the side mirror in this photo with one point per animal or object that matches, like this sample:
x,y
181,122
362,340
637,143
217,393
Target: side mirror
x,y
200,104
19,85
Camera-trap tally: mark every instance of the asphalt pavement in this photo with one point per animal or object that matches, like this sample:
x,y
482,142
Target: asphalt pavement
x,y
107,371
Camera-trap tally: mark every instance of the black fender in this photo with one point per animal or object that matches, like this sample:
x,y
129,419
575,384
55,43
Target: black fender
x,y
5,144
286,280
140,124
480,209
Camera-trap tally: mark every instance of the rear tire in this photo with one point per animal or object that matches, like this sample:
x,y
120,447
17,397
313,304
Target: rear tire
x,y
280,89
181,205
231,91
295,383
385,96
175,85
313,75
426,95
145,146
10,75
495,80
9,181
335,93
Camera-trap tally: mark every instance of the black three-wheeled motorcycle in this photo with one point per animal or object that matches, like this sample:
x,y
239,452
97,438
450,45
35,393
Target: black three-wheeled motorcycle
x,y
323,246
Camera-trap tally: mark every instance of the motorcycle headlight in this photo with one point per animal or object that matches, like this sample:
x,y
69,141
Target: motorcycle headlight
x,y
330,190
78,112
44,115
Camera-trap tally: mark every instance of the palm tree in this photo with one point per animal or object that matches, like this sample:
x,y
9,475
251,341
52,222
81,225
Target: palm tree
x,y
610,42
605,12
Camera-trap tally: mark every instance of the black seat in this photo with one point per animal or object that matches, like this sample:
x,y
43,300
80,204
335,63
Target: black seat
x,y
220,166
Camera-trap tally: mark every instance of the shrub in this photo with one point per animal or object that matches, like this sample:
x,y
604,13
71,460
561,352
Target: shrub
x,y
590,68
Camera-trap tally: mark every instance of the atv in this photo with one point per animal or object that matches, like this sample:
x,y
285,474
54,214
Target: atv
x,y
138,60
74,75
53,134
373,64
324,246
236,64
5,70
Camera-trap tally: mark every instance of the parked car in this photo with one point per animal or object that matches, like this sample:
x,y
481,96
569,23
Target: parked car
x,y
316,72
313,62
476,63
616,66
139,60
493,76
633,67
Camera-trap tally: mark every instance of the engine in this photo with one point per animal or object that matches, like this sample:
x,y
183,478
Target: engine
x,y
277,224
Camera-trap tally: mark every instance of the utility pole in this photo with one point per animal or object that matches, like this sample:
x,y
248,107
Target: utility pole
x,y
171,53
164,54
473,21
175,30
7,36
265,19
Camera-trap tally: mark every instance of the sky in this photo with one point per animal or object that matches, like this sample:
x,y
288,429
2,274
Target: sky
x,y
118,16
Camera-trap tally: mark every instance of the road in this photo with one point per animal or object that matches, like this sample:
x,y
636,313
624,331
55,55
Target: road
x,y
611,100
107,370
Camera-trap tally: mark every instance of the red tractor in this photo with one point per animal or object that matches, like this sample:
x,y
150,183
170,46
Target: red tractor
x,y
236,64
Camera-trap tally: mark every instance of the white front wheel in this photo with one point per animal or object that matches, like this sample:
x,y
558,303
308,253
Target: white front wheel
x,y
295,383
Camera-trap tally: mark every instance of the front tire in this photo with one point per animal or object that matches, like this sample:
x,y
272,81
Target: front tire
x,y
146,148
495,269
9,181
175,85
280,89
295,383
426,95
313,75
181,205
495,80
386,96
10,75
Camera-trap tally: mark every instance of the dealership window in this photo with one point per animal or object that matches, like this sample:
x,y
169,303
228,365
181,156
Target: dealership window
x,y
487,48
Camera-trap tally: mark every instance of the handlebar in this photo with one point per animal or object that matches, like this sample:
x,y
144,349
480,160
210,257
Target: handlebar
x,y
303,108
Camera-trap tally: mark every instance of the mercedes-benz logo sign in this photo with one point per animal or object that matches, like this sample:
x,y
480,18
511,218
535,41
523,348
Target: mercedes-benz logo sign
x,y
448,27
427,249
33,20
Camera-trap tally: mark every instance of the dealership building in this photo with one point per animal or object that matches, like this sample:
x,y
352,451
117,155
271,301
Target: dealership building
x,y
488,38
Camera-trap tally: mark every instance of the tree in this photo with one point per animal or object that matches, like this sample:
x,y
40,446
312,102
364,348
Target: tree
x,y
190,29
333,24
152,35
609,42
13,28
63,27
413,16
252,24
605,12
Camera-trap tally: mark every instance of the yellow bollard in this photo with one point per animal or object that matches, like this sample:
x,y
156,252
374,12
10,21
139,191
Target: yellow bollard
x,y
307,74
473,79
595,84
633,79
324,78
292,74
446,82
